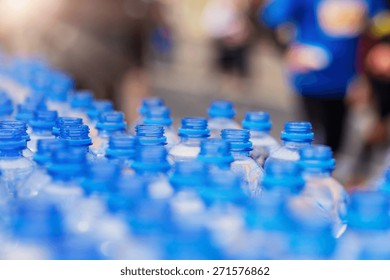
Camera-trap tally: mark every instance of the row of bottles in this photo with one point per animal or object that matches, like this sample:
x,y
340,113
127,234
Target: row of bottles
x,y
78,183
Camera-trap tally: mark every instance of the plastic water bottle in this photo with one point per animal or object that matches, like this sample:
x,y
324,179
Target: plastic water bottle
x,y
215,154
127,200
188,181
80,103
243,165
259,125
295,136
284,179
65,121
193,130
151,164
36,231
150,135
39,178
26,112
42,127
77,137
40,232
100,178
269,228
150,218
98,107
147,103
66,171
6,106
121,150
317,164
225,201
162,116
110,123
221,116
22,126
15,167
368,233
310,239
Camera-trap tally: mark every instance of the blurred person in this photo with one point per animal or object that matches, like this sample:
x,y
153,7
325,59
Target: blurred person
x,y
369,101
321,58
105,44
227,23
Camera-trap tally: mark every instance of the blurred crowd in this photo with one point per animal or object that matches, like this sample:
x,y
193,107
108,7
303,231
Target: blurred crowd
x,y
337,54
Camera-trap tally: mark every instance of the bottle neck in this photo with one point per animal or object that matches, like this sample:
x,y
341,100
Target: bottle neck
x,y
259,134
296,145
14,153
317,173
243,153
108,133
218,166
194,141
42,131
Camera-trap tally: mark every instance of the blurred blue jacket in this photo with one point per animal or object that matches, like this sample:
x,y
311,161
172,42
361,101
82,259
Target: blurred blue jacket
x,y
308,16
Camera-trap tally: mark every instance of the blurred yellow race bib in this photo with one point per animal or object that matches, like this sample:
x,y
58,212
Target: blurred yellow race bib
x,y
342,18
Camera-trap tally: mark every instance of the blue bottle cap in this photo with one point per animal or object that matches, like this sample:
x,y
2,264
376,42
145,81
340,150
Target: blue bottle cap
x,y
257,121
18,125
194,127
223,186
98,107
215,151
44,120
189,174
369,210
61,86
11,139
82,100
65,121
121,146
158,116
6,105
150,135
300,132
239,139
283,177
37,220
67,164
151,159
111,122
317,157
76,135
101,177
150,103
46,148
385,186
222,109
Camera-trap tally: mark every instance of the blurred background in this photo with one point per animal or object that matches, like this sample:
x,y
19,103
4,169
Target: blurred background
x,y
191,52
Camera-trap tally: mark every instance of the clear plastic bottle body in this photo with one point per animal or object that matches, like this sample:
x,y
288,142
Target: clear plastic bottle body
x,y
288,152
249,171
188,149
216,125
330,196
34,183
61,107
35,136
263,146
65,194
101,143
15,170
364,245
172,138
